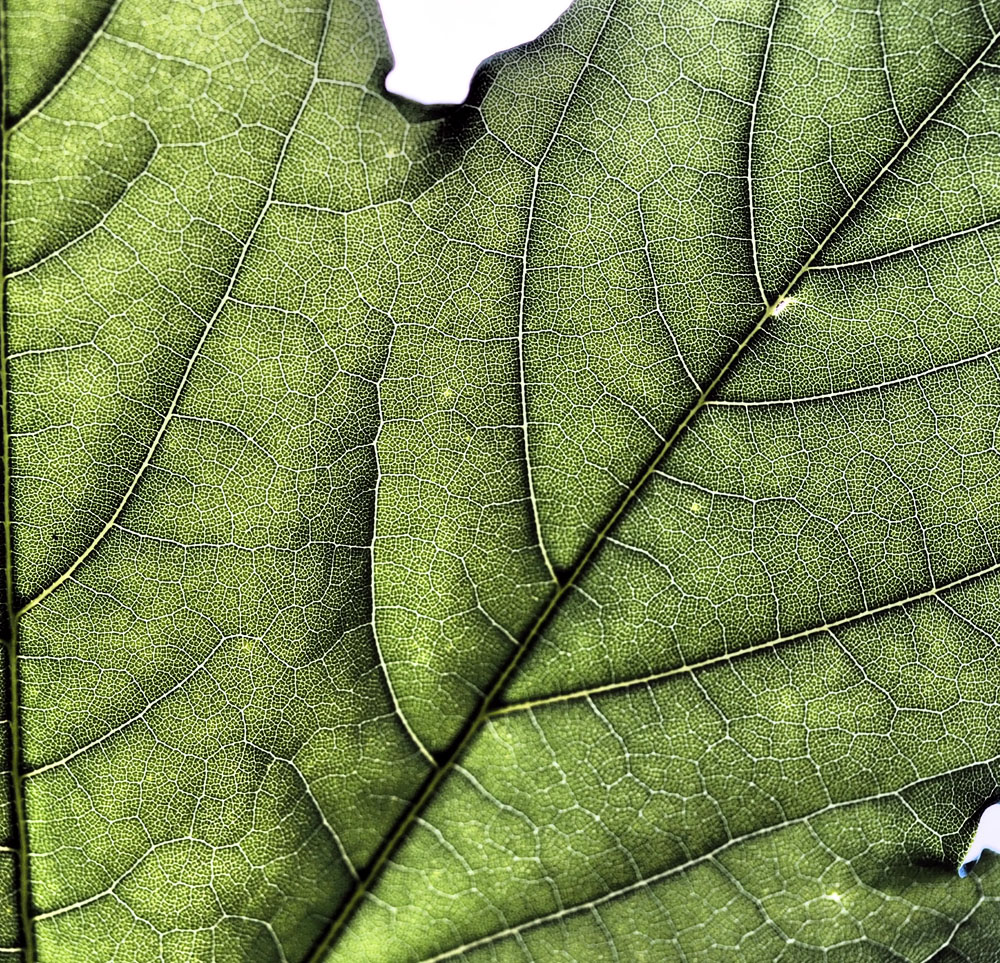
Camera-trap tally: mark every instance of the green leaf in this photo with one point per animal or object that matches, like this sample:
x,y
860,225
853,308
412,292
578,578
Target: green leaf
x,y
564,526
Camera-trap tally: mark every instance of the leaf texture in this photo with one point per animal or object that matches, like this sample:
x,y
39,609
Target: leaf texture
x,y
563,526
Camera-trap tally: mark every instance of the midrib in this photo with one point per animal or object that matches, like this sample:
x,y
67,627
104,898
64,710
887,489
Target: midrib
x,y
22,879
485,710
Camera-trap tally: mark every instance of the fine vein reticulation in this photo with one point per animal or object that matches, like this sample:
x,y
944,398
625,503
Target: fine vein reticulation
x,y
562,526
495,691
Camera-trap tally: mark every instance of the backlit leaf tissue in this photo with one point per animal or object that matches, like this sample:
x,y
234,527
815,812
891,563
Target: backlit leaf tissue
x,y
560,526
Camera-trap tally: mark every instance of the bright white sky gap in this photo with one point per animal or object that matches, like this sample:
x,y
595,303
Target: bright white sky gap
x,y
438,44
987,837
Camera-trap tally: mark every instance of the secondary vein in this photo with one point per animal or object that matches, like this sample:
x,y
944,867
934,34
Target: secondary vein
x,y
935,591
196,353
46,98
708,856
12,613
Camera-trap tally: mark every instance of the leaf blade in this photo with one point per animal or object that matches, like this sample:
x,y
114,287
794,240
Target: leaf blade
x,y
446,343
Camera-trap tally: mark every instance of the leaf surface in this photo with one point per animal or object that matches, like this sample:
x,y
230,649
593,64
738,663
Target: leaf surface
x,y
563,526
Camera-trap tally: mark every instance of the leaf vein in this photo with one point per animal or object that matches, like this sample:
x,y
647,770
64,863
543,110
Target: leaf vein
x,y
494,692
196,353
874,612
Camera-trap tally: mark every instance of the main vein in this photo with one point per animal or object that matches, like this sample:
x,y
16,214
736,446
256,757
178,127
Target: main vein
x,y
491,696
22,876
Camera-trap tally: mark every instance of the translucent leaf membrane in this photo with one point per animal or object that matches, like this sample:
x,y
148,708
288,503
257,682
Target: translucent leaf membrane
x,y
558,527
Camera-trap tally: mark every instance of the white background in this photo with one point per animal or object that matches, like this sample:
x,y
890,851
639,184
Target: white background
x,y
438,44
